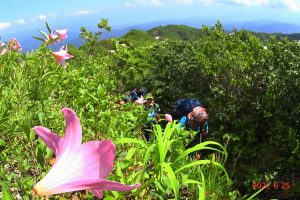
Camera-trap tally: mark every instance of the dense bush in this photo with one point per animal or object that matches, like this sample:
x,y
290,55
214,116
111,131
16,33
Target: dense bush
x,y
250,88
251,91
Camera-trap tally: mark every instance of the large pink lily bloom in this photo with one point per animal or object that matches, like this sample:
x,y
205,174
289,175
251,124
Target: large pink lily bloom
x,y
62,55
77,166
62,34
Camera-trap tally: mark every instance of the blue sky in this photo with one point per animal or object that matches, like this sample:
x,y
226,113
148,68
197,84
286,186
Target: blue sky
x,y
18,15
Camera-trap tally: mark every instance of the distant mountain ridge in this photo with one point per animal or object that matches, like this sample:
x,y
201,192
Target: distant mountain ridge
x,y
28,43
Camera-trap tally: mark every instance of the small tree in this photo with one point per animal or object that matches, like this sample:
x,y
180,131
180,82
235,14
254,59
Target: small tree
x,y
91,38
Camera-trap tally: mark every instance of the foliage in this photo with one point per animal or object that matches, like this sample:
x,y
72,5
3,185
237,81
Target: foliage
x,y
175,32
250,88
138,38
91,39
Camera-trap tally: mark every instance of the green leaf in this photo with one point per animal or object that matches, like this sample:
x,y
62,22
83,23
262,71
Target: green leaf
x,y
130,140
130,153
44,34
31,135
39,38
2,142
40,156
107,197
172,177
48,27
5,192
120,173
201,146
146,159
203,188
159,186
256,193
198,162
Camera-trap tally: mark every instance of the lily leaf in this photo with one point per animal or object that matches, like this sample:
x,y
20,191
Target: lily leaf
x,y
48,27
39,38
44,34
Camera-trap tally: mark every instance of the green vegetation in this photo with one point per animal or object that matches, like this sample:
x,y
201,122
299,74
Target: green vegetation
x,y
139,38
250,88
175,32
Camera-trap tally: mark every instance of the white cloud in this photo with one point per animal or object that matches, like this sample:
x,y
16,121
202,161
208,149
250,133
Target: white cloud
x,y
186,1
81,12
129,4
157,2
52,15
149,2
4,25
42,17
20,21
293,5
211,2
252,2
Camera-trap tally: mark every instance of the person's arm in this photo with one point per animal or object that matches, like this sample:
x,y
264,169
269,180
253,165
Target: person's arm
x,y
182,122
157,110
205,127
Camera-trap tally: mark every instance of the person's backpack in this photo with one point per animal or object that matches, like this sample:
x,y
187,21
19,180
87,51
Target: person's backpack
x,y
136,93
184,107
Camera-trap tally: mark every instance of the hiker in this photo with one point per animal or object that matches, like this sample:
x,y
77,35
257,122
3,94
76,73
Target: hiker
x,y
192,116
152,117
183,107
195,120
135,94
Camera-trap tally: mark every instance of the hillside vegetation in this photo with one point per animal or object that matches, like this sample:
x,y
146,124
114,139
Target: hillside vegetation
x,y
250,88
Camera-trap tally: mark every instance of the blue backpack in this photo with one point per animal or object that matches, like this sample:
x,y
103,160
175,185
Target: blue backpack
x,y
184,107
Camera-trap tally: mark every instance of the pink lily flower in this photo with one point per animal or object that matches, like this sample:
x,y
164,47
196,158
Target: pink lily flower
x,y
77,166
14,45
140,101
62,55
168,118
62,34
51,39
52,36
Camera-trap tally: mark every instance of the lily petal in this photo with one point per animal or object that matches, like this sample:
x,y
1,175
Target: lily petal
x,y
98,193
52,140
87,184
62,62
62,34
72,140
99,156
62,55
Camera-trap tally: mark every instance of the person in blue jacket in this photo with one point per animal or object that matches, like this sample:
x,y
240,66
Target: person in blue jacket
x,y
196,120
153,110
192,116
133,95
